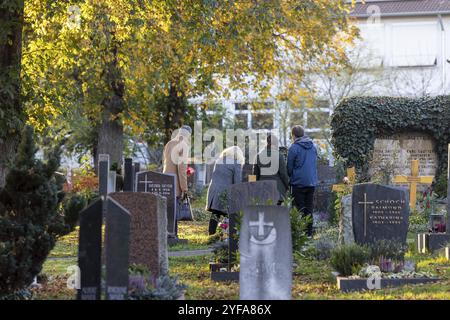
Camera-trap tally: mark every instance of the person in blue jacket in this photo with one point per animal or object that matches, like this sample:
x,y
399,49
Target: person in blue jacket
x,y
302,171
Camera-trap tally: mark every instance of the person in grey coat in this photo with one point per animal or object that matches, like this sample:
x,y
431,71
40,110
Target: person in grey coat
x,y
227,171
264,169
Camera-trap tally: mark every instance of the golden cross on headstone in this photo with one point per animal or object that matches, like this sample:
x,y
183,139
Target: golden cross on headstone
x,y
351,175
365,203
412,181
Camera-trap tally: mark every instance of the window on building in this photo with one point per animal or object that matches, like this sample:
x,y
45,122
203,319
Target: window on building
x,y
241,106
414,44
262,121
297,118
318,119
241,121
370,50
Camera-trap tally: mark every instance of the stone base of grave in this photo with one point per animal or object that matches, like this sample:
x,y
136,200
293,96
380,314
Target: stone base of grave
x,y
174,241
430,242
349,285
219,276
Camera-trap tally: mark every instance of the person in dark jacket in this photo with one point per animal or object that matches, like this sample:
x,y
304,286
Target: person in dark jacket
x,y
302,170
227,171
264,169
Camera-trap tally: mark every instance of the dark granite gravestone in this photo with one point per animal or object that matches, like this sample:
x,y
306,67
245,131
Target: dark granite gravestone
x,y
242,195
323,196
136,170
148,240
379,212
265,247
103,174
129,175
89,251
117,241
163,185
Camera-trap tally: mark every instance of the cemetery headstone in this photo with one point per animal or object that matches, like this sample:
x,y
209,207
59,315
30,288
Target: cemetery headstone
x,y
163,185
117,240
89,252
265,248
323,194
242,195
129,175
112,181
396,152
413,181
148,240
346,235
103,174
137,167
379,212
448,191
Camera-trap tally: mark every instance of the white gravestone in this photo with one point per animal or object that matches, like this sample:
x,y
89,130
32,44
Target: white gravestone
x,y
265,248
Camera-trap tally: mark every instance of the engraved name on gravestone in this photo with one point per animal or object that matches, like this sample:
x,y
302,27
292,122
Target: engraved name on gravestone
x,y
163,185
380,212
398,150
148,240
89,252
323,194
117,241
265,248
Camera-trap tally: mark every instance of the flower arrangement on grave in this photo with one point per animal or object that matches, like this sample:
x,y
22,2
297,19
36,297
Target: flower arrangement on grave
x,y
144,286
190,171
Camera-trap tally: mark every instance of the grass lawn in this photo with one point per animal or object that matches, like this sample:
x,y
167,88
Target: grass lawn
x,y
312,279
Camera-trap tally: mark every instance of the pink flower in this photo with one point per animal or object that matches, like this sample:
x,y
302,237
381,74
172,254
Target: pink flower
x,y
224,226
190,171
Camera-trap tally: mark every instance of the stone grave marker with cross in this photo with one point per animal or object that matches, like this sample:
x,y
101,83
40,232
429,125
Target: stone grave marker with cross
x,y
379,212
412,181
164,185
265,248
240,196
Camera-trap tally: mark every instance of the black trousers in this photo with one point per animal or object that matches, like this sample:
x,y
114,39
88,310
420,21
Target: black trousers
x,y
303,201
214,221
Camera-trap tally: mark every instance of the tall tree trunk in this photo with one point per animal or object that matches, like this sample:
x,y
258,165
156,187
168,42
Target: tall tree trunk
x,y
110,137
11,111
176,108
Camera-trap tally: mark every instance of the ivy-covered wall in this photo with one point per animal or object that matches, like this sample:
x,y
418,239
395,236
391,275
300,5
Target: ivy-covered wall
x,y
358,121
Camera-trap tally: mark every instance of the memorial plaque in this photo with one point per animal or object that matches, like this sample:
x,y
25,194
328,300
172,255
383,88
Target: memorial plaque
x,y
117,240
148,240
89,252
265,248
398,150
379,212
163,185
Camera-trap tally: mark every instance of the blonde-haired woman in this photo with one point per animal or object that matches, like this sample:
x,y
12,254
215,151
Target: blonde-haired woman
x,y
227,171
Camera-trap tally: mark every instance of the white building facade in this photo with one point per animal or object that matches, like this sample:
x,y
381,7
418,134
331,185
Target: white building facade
x,y
405,51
